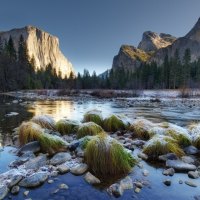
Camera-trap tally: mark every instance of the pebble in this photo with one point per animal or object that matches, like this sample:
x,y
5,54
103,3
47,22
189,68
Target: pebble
x,y
15,189
50,181
193,174
26,193
137,190
190,183
167,182
145,172
63,186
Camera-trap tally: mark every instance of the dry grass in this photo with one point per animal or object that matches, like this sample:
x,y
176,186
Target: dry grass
x,y
93,116
105,156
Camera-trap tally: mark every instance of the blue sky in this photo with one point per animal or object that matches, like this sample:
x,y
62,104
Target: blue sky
x,y
92,31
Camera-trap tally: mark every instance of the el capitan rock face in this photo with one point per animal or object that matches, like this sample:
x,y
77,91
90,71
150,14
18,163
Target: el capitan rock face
x,y
156,46
42,46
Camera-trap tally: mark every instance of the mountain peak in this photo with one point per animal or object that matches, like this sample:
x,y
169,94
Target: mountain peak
x,y
152,41
194,34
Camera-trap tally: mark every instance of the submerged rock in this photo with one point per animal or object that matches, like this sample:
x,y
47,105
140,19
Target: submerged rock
x,y
15,189
169,172
167,182
143,156
63,169
191,150
169,156
79,169
34,180
91,179
116,190
31,146
193,174
60,158
126,183
190,183
3,191
179,165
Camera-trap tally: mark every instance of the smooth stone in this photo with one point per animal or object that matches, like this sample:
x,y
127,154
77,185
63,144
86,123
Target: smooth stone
x,y
188,159
14,180
138,143
191,150
50,181
62,169
31,146
169,156
26,193
193,174
37,162
179,165
138,184
116,190
137,190
126,183
34,180
3,191
15,189
167,182
73,145
60,158
79,169
180,182
55,191
190,183
79,152
169,172
143,156
145,172
91,179
63,186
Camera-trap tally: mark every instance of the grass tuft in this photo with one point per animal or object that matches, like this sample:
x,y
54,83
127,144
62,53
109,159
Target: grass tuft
x,y
105,156
29,131
44,121
65,126
114,123
160,145
88,128
93,116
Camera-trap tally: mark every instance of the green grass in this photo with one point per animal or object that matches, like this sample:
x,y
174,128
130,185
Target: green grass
x,y
160,145
93,116
105,156
44,121
29,131
65,126
88,128
114,123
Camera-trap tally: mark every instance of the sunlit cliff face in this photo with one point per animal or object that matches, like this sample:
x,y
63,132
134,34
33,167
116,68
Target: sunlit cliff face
x,y
43,47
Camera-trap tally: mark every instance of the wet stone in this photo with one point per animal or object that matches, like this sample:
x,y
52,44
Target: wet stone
x,y
3,191
169,172
60,158
193,174
79,169
15,189
126,183
167,182
116,190
145,172
143,156
63,186
37,162
91,179
191,150
179,165
137,190
190,183
62,169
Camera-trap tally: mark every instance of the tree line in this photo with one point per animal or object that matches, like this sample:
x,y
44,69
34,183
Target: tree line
x,y
17,71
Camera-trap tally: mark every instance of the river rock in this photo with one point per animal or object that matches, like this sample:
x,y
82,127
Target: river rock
x,y
116,190
14,180
169,172
143,156
145,172
169,156
37,162
138,184
79,169
190,183
167,182
138,143
79,152
15,189
60,158
34,180
31,146
63,186
126,183
63,169
193,174
91,179
179,165
3,191
73,145
191,150
188,159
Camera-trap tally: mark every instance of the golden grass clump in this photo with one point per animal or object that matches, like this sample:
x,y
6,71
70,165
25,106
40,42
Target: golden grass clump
x,y
160,145
88,128
195,134
105,156
30,131
180,134
114,123
142,128
65,126
44,121
93,116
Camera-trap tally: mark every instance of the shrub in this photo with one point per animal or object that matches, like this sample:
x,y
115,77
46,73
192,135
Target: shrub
x,y
114,123
105,156
93,116
65,126
160,145
88,128
44,121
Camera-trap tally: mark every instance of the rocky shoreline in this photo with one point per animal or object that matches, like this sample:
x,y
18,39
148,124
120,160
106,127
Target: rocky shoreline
x,y
34,166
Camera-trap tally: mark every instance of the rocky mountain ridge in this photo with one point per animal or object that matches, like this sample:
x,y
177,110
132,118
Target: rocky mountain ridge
x,y
42,46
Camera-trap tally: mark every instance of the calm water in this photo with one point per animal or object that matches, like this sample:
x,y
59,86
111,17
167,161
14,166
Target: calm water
x,y
78,188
